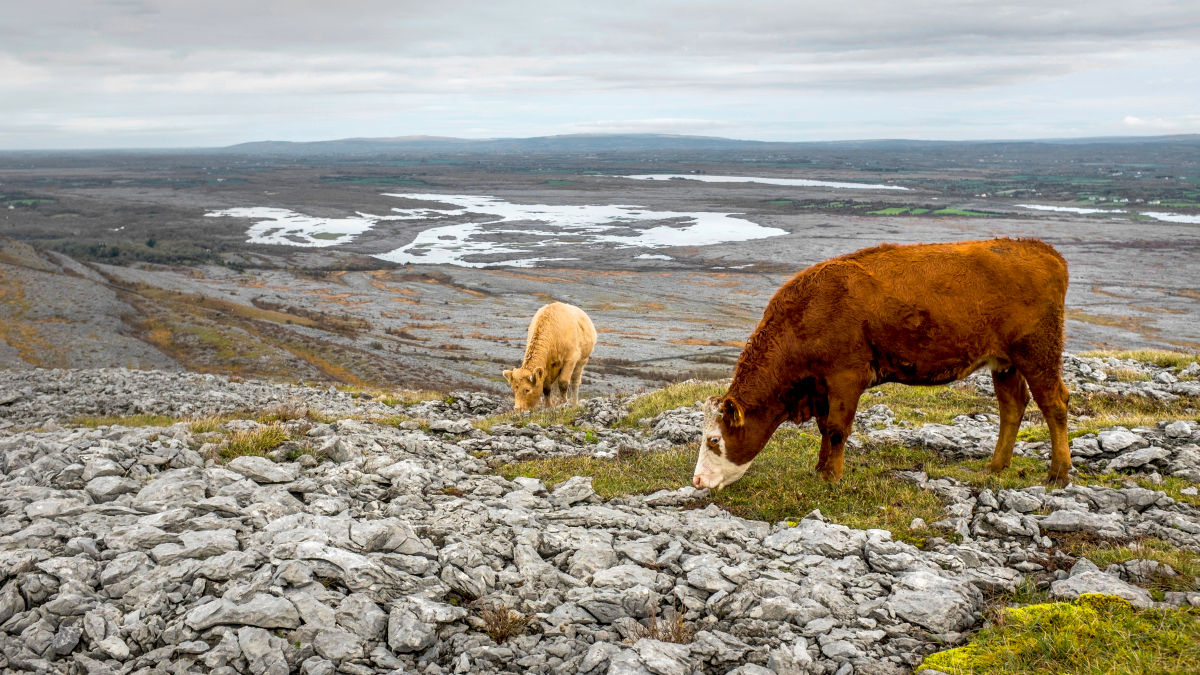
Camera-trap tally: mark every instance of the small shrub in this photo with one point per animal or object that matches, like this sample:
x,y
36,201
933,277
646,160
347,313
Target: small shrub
x,y
502,623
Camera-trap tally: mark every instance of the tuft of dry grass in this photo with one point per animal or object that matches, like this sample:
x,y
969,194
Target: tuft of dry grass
x,y
501,622
256,442
1162,359
563,414
670,628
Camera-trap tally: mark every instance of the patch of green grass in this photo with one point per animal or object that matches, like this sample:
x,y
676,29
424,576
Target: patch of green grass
x,y
677,395
1026,472
1104,411
890,211
257,442
1186,563
1023,472
939,405
373,180
782,484
963,212
780,202
1094,634
329,236
125,421
1162,359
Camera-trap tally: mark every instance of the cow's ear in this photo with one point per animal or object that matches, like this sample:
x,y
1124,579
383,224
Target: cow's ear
x,y
508,376
731,410
538,374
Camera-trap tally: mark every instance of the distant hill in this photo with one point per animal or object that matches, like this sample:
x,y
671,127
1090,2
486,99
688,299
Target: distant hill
x,y
585,143
539,144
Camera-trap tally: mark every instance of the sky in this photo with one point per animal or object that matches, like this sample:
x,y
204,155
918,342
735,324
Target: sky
x,y
185,73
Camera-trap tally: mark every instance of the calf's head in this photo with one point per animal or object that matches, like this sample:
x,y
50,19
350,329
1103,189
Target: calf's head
x,y
731,439
526,384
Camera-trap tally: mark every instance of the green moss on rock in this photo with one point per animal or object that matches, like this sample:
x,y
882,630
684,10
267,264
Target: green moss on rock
x,y
1095,634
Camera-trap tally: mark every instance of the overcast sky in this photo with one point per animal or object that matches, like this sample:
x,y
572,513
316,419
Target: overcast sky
x,y
176,73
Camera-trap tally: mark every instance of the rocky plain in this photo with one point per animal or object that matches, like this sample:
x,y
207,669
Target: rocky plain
x,y
381,538
246,426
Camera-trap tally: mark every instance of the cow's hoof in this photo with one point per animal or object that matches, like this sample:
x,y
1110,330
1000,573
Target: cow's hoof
x,y
1058,481
993,469
829,476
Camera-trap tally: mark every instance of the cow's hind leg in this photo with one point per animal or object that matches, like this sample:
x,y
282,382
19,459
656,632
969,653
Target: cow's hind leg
x,y
576,378
1013,397
1043,371
563,383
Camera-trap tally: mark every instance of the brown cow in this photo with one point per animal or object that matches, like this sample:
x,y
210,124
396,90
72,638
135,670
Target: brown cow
x,y
921,314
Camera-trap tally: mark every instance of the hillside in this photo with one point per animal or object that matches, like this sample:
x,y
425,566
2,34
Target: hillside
x,y
228,525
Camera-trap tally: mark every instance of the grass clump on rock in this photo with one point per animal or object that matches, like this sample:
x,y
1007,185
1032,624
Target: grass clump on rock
x,y
1094,634
563,414
1162,359
256,442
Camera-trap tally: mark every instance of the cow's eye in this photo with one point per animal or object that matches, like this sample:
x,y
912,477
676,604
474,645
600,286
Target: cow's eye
x,y
714,442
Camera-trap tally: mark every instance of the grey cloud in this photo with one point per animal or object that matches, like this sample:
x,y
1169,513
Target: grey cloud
x,y
213,63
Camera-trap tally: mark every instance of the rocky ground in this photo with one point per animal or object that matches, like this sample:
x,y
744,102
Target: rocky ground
x,y
375,543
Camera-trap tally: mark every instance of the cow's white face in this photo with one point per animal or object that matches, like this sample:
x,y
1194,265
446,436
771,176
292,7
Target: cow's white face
x,y
713,469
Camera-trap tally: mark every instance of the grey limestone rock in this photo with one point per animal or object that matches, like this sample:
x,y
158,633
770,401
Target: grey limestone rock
x,y
939,604
1119,439
1105,525
1137,458
1098,582
261,609
263,470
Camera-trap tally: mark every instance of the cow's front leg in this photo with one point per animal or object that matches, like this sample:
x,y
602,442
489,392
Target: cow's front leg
x,y
843,395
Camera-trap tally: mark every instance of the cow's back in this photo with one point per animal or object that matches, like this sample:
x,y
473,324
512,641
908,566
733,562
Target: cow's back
x,y
931,313
557,330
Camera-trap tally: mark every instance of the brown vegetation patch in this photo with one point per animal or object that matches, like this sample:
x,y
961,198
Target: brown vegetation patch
x,y
709,343
440,279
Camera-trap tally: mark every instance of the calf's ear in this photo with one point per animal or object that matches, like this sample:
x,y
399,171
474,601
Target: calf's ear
x,y
538,374
508,376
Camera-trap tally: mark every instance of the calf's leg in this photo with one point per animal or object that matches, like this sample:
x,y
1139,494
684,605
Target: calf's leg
x,y
1013,397
576,377
563,382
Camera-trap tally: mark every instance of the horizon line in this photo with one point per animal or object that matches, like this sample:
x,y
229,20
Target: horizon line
x,y
418,138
